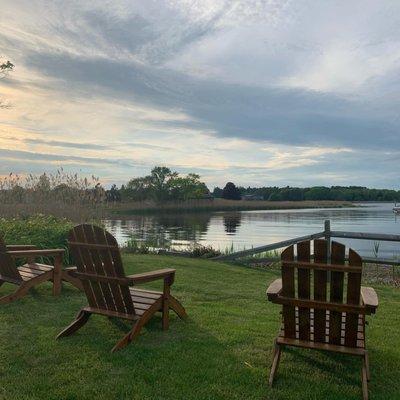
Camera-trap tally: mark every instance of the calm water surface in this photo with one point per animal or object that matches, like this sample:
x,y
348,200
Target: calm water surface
x,y
244,229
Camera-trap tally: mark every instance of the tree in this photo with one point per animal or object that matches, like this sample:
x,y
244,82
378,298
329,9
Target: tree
x,y
189,187
217,192
163,185
231,192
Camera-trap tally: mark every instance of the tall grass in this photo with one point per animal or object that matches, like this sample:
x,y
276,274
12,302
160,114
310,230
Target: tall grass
x,y
209,205
60,194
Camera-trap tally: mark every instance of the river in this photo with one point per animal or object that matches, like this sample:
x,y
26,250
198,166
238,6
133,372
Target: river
x,y
244,229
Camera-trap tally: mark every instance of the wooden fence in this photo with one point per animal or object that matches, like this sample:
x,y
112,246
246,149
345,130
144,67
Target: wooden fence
x,y
328,234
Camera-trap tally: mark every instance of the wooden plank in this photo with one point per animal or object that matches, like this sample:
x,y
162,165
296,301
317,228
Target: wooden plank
x,y
153,275
8,269
288,291
303,289
321,346
39,267
91,245
320,281
30,270
274,289
26,276
113,267
14,247
90,266
369,298
101,278
98,266
145,293
36,253
81,267
326,267
321,306
353,297
269,247
338,251
143,300
109,313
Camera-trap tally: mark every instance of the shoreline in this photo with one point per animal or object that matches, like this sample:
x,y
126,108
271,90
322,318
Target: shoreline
x,y
217,205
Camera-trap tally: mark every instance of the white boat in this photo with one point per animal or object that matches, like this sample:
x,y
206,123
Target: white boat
x,y
396,208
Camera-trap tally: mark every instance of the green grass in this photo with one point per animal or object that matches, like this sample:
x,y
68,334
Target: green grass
x,y
222,352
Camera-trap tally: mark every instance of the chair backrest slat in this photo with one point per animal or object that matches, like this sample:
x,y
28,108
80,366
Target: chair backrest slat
x,y
320,280
8,269
112,264
303,290
96,252
289,320
336,293
84,263
324,315
98,264
353,297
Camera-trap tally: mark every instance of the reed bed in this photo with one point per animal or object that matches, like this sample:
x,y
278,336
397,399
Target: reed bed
x,y
209,205
61,194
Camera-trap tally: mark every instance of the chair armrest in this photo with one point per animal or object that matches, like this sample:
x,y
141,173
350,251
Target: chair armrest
x,y
274,289
15,247
369,299
167,273
35,253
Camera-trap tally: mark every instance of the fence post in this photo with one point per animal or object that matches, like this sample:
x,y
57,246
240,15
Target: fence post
x,y
327,234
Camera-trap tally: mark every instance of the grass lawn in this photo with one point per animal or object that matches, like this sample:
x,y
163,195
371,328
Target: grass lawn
x,y
222,352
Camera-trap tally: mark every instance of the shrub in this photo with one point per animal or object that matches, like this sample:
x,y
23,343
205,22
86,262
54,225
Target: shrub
x,y
43,231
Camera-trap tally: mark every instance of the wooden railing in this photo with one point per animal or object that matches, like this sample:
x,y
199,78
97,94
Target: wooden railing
x,y
328,234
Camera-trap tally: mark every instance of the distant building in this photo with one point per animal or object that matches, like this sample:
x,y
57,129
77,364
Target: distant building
x,y
252,197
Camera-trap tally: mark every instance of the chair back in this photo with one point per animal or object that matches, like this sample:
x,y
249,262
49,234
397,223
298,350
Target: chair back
x,y
321,300
99,267
8,269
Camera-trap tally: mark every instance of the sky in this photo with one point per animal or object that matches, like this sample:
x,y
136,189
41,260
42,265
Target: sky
x,y
261,93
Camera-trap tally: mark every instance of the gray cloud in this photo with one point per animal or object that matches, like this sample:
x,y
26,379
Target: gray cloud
x,y
285,116
59,143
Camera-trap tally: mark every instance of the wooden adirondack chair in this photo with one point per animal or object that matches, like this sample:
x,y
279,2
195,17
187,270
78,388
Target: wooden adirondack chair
x,y
31,273
109,292
323,313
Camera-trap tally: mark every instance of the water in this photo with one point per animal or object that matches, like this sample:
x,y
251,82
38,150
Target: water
x,y
244,229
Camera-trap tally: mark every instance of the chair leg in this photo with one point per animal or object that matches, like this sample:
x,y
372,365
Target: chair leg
x,y
57,276
177,307
80,320
165,314
20,292
275,363
366,360
134,332
364,378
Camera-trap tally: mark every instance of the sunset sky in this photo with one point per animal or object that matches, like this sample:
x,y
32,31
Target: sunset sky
x,y
258,92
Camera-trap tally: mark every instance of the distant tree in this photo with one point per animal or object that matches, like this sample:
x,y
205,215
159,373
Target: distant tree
x,y
163,185
217,192
113,194
231,192
189,187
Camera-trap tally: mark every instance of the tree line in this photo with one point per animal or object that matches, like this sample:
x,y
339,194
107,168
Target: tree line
x,y
274,193
164,185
